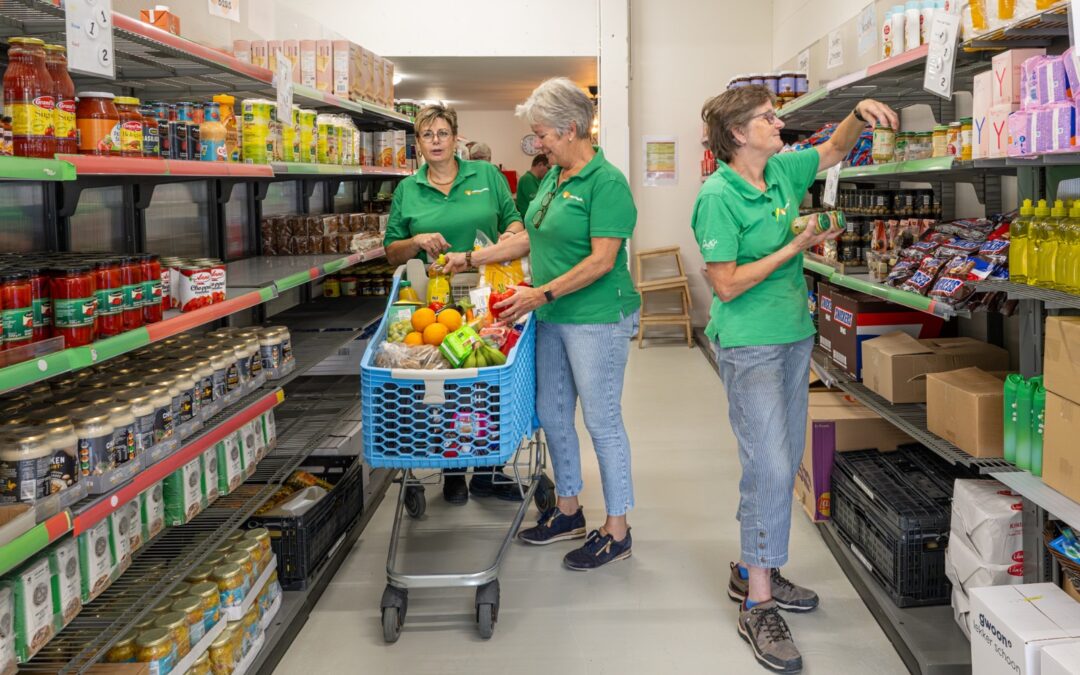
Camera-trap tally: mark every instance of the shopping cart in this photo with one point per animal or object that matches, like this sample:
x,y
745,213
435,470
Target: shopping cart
x,y
453,420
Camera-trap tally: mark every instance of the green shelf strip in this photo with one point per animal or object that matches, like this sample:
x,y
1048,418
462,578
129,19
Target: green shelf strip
x,y
803,101
293,280
28,168
33,370
20,549
314,169
334,266
820,268
894,168
267,294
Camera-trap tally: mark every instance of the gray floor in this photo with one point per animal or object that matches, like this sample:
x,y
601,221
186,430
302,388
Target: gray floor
x,y
663,611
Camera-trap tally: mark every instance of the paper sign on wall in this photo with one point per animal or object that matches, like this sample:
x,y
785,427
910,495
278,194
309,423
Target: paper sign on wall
x,y
226,9
283,82
802,63
90,37
867,29
941,57
661,161
836,50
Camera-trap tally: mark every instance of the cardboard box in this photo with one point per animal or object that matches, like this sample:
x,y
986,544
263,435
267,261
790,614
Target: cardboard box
x,y
858,317
387,99
895,365
260,55
273,53
164,20
1063,659
1061,460
965,408
342,68
837,423
367,75
307,63
1061,360
241,50
967,571
1010,626
324,65
997,123
980,114
290,49
825,292
989,518
356,66
375,95
1006,69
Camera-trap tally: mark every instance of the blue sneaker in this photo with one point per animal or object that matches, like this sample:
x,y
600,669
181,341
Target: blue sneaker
x,y
554,526
598,551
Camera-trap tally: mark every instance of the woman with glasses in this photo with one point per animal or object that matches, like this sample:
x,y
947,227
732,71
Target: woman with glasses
x,y
576,231
441,208
762,335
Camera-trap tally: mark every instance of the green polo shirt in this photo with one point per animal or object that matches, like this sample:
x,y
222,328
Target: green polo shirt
x,y
528,185
479,200
734,221
596,202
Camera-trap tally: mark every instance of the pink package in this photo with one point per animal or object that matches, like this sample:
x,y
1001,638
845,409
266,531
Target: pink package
x,y
1019,133
1029,83
1041,134
1050,80
1063,126
1071,79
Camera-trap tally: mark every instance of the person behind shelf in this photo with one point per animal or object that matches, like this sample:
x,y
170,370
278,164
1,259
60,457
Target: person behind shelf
x,y
762,335
480,152
529,184
441,208
585,305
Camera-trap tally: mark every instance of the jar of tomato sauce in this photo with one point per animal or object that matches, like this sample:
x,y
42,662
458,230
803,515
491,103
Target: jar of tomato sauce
x,y
131,126
151,272
16,308
64,130
74,303
28,96
42,302
108,319
96,118
131,282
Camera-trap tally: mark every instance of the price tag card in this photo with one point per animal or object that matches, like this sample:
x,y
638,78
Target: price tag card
x,y
941,57
284,84
90,37
832,182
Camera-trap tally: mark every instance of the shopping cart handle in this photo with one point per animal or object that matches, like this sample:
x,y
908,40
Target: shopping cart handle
x,y
434,380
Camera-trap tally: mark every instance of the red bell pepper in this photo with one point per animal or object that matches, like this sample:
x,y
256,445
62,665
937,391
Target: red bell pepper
x,y
496,297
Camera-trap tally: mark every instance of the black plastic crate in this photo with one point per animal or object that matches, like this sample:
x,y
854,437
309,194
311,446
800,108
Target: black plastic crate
x,y
898,531
302,543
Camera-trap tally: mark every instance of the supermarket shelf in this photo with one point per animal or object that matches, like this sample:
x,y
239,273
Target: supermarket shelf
x,y
1053,299
1038,30
926,638
932,169
864,284
26,168
22,547
1050,500
301,169
93,165
288,271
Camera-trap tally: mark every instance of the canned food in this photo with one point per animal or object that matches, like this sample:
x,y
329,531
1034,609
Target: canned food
x,y
194,287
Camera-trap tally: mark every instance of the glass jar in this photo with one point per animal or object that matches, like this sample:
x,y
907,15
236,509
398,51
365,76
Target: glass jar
x,y
236,376
176,623
123,651
201,665
131,283
255,550
108,315
246,563
16,308
191,607
28,98
209,599
142,409
151,273
926,144
64,465
190,393
123,422
940,141
952,140
95,441
131,126
64,131
251,626
42,303
222,657
157,647
884,145
25,460
967,127
74,303
151,133
96,118
230,581
199,574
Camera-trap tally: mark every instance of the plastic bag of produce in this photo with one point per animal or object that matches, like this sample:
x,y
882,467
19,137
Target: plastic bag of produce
x,y
183,493
420,357
66,584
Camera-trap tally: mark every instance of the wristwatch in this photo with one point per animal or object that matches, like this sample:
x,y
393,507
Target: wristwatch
x,y
855,112
549,295
468,260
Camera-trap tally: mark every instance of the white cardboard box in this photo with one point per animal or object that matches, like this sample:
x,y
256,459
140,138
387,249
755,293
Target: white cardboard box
x,y
1006,67
1061,659
1010,626
961,609
997,126
989,516
980,114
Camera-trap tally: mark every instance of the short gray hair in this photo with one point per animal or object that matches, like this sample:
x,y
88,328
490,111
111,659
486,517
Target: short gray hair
x,y
557,103
480,151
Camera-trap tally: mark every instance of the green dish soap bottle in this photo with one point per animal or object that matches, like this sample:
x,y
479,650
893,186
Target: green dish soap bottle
x,y
1024,398
1038,426
1012,388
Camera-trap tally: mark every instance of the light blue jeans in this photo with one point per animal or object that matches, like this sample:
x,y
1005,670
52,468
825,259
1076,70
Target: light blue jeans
x,y
586,361
768,393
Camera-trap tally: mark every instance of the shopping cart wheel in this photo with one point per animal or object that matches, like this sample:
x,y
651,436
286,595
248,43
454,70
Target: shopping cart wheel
x,y
395,604
545,494
487,608
391,624
415,501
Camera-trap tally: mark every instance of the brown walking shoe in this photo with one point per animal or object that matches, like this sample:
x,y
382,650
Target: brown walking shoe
x,y
769,636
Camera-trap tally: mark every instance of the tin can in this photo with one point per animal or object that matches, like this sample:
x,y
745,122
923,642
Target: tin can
x,y
218,278
178,140
193,146
194,287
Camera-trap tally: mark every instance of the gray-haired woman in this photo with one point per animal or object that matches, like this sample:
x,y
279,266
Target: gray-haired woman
x,y
576,230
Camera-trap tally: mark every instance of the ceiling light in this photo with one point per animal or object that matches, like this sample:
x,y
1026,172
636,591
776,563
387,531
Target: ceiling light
x,y
398,77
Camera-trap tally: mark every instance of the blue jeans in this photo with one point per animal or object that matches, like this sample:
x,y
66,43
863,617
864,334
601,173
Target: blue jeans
x,y
768,393
586,361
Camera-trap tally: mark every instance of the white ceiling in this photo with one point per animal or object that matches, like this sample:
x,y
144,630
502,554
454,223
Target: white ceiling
x,y
485,83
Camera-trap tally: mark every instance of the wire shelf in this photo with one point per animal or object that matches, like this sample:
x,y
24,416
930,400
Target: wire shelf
x,y
1025,292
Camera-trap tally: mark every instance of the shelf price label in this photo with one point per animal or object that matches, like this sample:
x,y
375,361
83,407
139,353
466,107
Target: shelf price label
x,y
832,182
941,56
90,37
283,84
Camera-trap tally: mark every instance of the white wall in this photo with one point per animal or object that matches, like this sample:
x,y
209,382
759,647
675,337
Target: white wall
x,y
798,23
502,131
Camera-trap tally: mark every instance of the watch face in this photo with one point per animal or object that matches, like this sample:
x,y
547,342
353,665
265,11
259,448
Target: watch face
x,y
529,145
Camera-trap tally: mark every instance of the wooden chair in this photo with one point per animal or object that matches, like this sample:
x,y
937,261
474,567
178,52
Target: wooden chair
x,y
675,284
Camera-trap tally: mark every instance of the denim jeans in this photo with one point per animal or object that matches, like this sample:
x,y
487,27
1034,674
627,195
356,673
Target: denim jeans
x,y
768,393
586,361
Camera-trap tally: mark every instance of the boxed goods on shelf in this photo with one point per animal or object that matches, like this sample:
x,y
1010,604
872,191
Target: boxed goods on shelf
x,y
31,589
152,510
337,233
66,581
1061,464
893,364
162,18
184,497
965,408
120,540
1008,78
826,330
7,631
858,317
981,91
1015,623
1061,363
96,560
836,423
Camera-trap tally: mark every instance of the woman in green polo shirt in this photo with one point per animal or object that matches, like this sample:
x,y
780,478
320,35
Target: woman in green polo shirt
x,y
441,208
762,334
585,304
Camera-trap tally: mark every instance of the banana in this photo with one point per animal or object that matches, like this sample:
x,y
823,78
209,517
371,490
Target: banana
x,y
470,361
481,359
495,357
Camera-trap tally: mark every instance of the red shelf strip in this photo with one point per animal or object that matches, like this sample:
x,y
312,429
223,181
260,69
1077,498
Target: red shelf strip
x,y
199,317
94,165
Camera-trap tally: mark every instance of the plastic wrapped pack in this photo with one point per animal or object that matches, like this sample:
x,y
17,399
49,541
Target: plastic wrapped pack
x,y
1020,126
420,357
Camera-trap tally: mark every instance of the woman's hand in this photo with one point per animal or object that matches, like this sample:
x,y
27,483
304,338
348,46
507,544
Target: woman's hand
x,y
455,262
876,112
810,237
431,243
524,300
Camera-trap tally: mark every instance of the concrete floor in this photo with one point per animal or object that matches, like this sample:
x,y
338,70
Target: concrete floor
x,y
664,610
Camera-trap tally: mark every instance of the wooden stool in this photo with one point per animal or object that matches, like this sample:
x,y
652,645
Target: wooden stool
x,y
676,284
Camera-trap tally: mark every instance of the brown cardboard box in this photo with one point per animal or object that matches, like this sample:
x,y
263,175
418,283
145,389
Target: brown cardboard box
x,y
163,20
965,408
357,79
825,292
837,423
895,365
1061,452
858,317
1061,362
324,65
387,98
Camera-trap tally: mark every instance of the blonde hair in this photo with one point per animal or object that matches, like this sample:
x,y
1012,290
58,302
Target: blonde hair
x,y
435,111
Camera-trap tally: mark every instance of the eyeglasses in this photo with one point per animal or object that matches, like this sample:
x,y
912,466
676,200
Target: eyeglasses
x,y
769,116
539,216
441,134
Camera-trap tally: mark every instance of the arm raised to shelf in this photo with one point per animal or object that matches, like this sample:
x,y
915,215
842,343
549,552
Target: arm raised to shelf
x,y
866,111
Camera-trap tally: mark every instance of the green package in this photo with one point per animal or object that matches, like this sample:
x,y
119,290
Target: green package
x,y
230,467
210,487
1012,386
95,560
249,449
120,538
152,508
66,582
1038,426
31,589
7,629
1024,396
183,493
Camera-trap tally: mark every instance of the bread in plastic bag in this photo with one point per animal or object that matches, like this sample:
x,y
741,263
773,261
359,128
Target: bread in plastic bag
x,y
419,357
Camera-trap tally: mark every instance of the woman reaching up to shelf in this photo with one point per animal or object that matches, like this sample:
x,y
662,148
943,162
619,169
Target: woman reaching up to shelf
x,y
439,209
763,334
585,305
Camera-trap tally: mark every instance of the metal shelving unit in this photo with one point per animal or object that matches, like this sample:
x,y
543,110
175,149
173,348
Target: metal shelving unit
x,y
1050,298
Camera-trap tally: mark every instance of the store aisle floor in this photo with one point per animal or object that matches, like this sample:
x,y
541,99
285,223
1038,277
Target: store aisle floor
x,y
665,610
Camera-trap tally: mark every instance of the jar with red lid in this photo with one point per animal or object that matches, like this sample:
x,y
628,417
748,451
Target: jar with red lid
x,y
64,130
16,308
28,98
151,272
97,118
131,282
108,319
131,126
74,303
42,302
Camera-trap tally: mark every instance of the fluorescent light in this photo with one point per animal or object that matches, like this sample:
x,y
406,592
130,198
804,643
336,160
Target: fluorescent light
x,y
398,77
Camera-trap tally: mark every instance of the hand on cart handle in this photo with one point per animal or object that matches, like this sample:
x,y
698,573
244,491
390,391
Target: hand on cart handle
x,y
876,112
433,243
524,300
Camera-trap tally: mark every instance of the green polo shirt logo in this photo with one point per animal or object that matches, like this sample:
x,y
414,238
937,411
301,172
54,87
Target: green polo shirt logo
x,y
470,193
566,195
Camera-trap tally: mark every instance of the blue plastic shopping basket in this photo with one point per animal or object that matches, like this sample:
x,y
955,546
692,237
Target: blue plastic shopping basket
x,y
447,419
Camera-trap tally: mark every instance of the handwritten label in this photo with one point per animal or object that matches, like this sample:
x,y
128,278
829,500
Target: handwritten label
x,y
867,29
803,62
226,9
941,58
90,37
284,83
832,182
836,50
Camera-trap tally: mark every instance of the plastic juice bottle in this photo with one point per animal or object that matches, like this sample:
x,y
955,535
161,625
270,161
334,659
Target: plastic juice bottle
x,y
212,136
438,287
1068,248
1037,233
406,293
226,104
1019,234
1049,244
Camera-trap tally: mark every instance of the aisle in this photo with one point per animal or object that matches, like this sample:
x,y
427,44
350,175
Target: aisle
x,y
663,611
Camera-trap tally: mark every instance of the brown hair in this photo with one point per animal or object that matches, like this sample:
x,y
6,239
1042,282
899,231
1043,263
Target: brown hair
x,y
540,158
732,109
435,111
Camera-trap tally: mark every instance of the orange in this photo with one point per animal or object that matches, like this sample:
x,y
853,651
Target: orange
x,y
434,334
414,339
422,318
451,318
